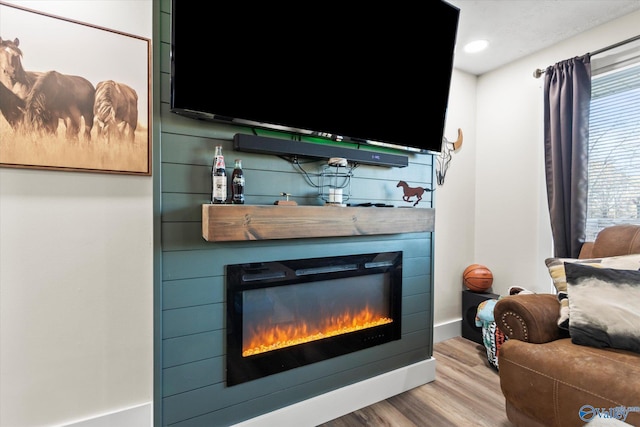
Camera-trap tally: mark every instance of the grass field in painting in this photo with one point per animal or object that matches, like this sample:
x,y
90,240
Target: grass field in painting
x,y
55,151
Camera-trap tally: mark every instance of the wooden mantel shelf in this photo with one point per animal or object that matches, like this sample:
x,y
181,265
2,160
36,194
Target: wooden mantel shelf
x,y
223,223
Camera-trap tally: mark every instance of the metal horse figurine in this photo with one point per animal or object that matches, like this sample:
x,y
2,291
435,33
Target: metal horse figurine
x,y
409,192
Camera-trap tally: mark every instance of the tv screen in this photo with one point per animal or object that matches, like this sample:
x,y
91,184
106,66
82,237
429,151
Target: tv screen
x,y
369,75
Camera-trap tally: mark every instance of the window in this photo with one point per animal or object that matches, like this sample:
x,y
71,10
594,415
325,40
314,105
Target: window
x,y
614,145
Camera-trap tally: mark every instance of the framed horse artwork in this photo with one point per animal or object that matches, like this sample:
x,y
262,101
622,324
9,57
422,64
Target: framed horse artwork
x,y
73,96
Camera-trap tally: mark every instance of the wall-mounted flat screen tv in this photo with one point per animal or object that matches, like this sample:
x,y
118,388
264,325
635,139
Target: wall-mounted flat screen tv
x,y
378,74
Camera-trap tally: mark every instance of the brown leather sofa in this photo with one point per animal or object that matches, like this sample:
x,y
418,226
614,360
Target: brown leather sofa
x,y
545,378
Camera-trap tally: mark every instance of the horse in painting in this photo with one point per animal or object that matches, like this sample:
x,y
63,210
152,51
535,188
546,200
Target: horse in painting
x,y
57,96
11,107
47,97
115,110
12,74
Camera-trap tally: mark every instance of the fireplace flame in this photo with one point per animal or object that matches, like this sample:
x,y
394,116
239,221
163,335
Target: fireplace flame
x,y
272,337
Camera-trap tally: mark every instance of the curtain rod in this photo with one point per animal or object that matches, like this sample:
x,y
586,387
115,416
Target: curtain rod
x,y
539,72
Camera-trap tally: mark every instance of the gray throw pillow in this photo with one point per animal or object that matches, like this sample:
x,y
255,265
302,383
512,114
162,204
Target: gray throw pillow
x,y
604,306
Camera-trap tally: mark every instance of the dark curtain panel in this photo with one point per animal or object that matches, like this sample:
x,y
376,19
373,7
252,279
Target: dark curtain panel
x,y
567,94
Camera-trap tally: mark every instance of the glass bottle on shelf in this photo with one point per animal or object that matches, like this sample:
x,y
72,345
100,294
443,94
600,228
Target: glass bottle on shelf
x,y
237,183
218,178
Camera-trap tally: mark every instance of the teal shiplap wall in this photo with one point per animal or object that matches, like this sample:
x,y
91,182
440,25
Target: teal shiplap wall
x,y
190,293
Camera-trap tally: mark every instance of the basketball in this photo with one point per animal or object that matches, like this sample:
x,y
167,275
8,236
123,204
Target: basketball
x,y
477,278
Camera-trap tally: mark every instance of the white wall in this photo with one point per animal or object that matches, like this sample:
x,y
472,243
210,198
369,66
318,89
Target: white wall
x,y
76,283
506,227
455,203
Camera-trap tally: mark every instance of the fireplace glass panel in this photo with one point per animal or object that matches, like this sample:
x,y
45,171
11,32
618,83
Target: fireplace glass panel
x,y
283,316
286,314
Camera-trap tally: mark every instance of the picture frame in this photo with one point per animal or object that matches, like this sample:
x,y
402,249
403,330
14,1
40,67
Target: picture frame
x,y
73,96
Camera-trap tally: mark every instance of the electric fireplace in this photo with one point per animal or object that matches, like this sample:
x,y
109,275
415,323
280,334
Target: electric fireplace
x,y
286,314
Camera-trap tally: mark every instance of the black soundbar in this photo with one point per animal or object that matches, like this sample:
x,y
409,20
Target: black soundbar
x,y
286,147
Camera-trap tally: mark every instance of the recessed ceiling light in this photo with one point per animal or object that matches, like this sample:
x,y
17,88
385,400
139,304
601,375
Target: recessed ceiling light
x,y
476,46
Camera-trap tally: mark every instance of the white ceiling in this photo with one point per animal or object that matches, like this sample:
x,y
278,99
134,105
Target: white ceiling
x,y
517,28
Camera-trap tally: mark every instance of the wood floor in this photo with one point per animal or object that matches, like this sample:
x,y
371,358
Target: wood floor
x,y
466,392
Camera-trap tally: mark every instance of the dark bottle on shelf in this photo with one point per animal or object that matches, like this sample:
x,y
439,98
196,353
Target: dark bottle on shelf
x,y
218,178
237,183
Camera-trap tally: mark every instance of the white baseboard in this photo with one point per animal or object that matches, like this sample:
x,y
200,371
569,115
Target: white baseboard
x,y
446,330
310,412
329,406
137,416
